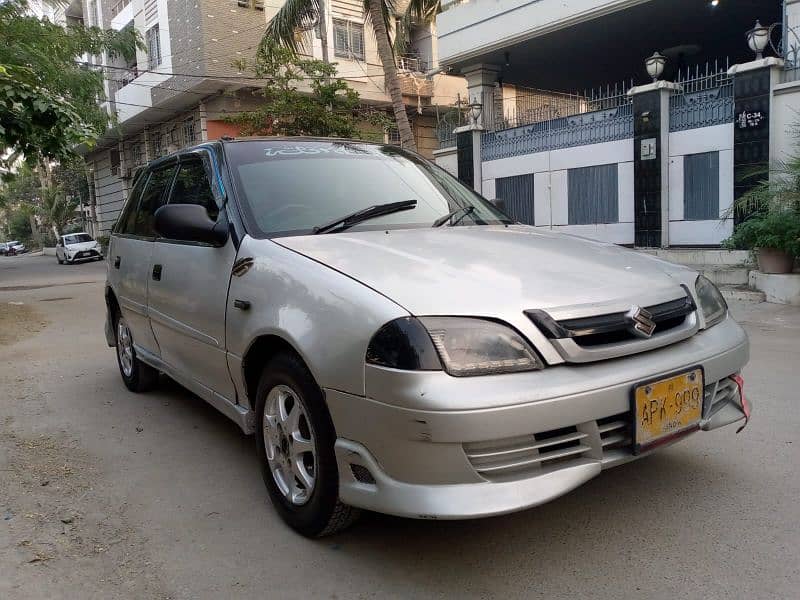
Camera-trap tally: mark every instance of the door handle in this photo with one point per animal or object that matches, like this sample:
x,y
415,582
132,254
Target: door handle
x,y
156,272
241,304
117,260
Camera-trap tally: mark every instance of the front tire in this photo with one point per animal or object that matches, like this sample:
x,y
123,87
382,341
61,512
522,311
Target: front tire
x,y
138,376
294,440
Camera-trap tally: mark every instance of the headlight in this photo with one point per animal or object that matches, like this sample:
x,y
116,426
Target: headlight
x,y
403,344
463,346
711,301
469,346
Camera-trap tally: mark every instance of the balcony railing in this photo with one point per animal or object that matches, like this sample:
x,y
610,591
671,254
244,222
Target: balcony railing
x,y
412,63
118,6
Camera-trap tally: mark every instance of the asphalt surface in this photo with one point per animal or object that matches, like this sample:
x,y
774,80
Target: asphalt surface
x,y
109,494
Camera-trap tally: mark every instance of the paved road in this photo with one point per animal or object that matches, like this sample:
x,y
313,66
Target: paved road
x,y
109,494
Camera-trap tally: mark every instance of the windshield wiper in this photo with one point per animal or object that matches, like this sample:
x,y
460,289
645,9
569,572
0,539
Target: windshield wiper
x,y
462,211
365,214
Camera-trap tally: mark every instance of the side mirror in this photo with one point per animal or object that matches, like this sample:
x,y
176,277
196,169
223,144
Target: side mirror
x,y
189,223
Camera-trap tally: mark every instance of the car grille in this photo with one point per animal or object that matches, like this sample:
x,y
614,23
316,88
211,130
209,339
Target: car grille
x,y
604,439
610,335
527,455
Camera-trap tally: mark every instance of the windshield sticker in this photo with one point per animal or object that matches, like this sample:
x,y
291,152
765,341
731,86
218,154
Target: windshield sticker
x,y
314,150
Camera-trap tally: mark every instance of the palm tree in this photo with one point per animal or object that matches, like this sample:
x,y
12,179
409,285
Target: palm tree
x,y
297,15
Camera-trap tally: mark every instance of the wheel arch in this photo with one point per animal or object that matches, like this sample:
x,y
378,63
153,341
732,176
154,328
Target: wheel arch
x,y
260,351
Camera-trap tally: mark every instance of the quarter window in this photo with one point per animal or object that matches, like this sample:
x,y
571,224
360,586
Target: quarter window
x,y
153,198
193,186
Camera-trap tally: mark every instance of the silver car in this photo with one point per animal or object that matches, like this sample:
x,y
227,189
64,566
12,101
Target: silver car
x,y
395,342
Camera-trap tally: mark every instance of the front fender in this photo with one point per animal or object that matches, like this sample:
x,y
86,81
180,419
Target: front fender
x,y
326,316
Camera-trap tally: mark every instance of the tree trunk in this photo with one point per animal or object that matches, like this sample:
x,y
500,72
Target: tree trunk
x,y
323,35
390,74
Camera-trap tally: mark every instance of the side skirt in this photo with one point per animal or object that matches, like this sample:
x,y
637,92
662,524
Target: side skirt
x,y
240,415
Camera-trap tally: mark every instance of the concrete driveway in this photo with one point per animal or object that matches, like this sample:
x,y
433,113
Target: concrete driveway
x,y
109,494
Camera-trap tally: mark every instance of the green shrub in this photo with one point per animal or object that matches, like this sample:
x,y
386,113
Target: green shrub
x,y
774,229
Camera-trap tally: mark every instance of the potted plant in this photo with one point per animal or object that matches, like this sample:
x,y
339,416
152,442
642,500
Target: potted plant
x,y
772,228
773,236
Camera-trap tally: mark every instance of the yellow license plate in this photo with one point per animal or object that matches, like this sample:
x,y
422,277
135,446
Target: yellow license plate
x,y
667,407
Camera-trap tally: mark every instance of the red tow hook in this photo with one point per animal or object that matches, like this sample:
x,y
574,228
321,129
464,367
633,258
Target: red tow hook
x,y
745,404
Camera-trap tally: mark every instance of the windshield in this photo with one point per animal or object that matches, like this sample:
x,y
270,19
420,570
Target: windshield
x,y
77,238
291,187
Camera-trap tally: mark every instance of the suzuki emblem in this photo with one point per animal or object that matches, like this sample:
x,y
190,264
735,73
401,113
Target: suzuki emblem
x,y
642,320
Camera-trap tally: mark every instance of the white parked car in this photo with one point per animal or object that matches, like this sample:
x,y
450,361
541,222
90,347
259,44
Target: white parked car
x,y
77,247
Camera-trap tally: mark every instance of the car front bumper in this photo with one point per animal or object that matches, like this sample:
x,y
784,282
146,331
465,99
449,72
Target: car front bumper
x,y
83,255
409,448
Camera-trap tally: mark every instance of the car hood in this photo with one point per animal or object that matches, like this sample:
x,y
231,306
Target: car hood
x,y
79,247
481,270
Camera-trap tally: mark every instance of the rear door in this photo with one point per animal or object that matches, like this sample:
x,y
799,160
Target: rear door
x,y
187,300
131,250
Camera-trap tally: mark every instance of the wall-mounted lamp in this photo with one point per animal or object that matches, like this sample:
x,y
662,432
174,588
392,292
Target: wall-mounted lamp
x,y
757,39
655,65
475,109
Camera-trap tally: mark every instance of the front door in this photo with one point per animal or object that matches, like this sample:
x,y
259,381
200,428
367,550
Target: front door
x,y
189,287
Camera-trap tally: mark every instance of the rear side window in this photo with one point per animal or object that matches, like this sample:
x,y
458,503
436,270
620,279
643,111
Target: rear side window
x,y
153,198
193,186
128,216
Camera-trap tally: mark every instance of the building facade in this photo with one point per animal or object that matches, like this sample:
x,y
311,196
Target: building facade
x,y
637,162
182,87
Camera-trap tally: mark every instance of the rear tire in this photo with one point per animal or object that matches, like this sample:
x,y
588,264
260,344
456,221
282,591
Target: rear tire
x,y
138,376
298,462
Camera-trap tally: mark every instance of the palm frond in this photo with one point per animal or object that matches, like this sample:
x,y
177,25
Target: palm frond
x,y
294,15
423,11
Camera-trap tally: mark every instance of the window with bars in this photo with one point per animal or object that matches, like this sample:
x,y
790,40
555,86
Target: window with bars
x,y
515,197
593,195
153,47
701,186
348,39
157,145
188,132
137,156
114,160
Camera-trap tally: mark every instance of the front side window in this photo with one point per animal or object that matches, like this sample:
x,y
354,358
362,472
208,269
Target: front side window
x,y
289,188
193,186
348,39
153,198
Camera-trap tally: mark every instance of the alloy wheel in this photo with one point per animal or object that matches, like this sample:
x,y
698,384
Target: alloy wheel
x,y
124,347
289,444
